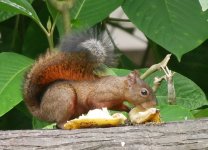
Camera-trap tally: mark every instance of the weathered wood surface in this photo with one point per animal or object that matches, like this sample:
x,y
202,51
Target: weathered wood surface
x,y
174,136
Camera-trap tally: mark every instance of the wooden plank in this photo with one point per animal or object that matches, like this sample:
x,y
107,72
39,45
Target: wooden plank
x,y
170,136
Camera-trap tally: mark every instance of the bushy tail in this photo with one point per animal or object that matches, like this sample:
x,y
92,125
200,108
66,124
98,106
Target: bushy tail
x,y
81,54
99,46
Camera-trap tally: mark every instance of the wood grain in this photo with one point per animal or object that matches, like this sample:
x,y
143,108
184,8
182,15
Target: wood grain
x,y
171,136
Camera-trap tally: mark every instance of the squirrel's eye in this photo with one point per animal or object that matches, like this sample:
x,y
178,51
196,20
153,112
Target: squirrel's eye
x,y
144,92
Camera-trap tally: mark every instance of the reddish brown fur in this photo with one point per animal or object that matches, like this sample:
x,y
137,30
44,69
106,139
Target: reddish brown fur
x,y
61,86
62,66
51,67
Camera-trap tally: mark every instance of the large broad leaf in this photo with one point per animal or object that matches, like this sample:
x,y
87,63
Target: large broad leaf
x,y
6,14
90,12
178,26
12,69
188,94
201,113
39,124
87,13
174,112
19,7
193,65
34,35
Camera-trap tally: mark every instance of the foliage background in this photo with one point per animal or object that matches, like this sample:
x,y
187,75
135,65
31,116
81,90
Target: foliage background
x,y
171,26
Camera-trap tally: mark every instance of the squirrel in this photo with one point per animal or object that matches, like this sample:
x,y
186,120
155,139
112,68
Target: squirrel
x,y
61,85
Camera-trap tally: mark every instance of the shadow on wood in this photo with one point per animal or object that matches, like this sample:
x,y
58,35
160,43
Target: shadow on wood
x,y
173,136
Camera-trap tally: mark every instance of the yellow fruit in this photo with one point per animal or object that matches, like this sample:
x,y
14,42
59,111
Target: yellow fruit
x,y
96,118
150,115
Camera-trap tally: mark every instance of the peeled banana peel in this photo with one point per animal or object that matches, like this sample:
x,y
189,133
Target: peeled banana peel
x,y
150,115
96,118
102,118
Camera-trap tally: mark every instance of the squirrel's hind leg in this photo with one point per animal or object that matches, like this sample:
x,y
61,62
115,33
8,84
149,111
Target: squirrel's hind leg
x,y
58,103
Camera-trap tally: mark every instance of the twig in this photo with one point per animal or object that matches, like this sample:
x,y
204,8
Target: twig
x,y
50,33
157,83
171,88
156,67
63,7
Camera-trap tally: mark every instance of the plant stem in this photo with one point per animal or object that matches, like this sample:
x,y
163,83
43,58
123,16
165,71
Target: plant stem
x,y
43,28
156,67
66,20
49,36
63,7
15,32
171,88
50,41
157,83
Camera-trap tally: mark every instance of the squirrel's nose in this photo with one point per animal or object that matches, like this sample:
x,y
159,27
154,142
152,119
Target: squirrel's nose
x,y
155,102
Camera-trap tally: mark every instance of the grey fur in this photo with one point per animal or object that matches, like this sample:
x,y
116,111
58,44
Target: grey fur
x,y
98,45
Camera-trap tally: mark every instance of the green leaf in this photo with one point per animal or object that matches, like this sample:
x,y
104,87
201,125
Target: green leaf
x,y
194,62
4,15
188,94
121,72
201,113
126,114
89,12
85,13
81,10
12,70
39,124
19,7
174,113
33,46
178,26
196,66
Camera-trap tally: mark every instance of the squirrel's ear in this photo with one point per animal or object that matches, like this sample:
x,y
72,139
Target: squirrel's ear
x,y
132,78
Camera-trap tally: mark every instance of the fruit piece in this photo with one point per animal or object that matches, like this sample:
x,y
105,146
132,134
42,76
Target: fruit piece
x,y
150,115
96,118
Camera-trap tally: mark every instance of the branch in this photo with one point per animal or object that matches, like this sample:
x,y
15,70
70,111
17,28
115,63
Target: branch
x,y
156,67
171,88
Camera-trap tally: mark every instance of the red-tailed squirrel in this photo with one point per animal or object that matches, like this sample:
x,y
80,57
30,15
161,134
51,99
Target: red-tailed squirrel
x,y
62,85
